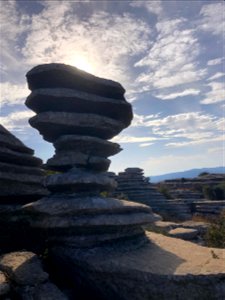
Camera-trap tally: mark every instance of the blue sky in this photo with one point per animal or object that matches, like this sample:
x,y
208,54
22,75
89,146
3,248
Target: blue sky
x,y
169,56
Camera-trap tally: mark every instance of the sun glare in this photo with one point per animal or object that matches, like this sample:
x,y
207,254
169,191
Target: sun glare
x,y
82,64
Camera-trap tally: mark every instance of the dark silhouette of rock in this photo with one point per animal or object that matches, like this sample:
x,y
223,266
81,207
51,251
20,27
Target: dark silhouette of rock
x,y
95,241
21,178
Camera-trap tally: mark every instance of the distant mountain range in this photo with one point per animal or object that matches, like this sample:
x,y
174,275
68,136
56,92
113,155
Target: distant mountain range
x,y
186,174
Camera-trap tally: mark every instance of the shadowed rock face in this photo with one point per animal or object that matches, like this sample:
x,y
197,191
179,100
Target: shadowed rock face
x,y
20,175
78,113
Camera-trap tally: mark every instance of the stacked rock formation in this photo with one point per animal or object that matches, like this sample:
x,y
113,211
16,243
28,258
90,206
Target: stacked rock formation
x,y
98,242
79,112
20,174
137,187
21,181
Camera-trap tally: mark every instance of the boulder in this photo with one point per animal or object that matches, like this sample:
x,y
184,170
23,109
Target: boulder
x,y
4,285
68,100
64,76
52,125
184,233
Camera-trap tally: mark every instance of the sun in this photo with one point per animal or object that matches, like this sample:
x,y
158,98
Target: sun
x,y
81,63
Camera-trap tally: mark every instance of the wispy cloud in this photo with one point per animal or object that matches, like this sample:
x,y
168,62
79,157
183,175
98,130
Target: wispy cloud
x,y
17,121
217,93
12,94
216,61
184,93
154,7
133,139
172,60
212,18
216,76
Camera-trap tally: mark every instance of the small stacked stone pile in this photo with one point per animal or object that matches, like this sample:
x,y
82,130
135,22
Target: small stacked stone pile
x,y
137,187
79,112
20,174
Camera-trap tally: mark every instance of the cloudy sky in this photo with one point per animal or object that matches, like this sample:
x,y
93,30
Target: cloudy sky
x,y
169,56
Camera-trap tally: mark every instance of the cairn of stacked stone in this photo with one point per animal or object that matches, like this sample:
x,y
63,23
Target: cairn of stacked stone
x,y
78,113
137,188
98,242
21,181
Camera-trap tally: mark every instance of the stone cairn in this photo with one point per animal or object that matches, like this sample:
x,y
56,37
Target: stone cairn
x,y
79,112
21,181
133,184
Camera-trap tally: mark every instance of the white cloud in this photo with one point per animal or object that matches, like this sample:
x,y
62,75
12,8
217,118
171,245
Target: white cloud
x,y
17,121
213,18
12,94
145,144
217,93
216,76
172,60
215,61
190,128
106,41
178,94
154,7
133,139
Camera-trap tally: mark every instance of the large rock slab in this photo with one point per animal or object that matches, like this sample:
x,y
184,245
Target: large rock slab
x,y
78,181
67,100
184,270
52,125
184,233
60,75
4,285
14,157
65,160
7,139
87,144
23,267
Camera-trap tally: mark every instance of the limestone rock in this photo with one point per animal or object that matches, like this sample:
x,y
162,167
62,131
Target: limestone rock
x,y
4,285
65,160
68,100
23,267
21,178
79,180
61,75
52,125
87,144
184,233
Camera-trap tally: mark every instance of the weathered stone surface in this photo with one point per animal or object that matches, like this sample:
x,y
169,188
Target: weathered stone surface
x,y
23,267
87,144
61,75
19,169
4,285
8,140
14,157
68,100
48,291
184,270
52,125
184,233
66,160
79,180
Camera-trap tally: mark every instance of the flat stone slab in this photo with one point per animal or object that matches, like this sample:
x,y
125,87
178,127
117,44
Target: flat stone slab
x,y
78,181
67,100
23,267
19,169
11,142
57,75
14,157
65,160
165,268
87,144
4,285
52,125
184,233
